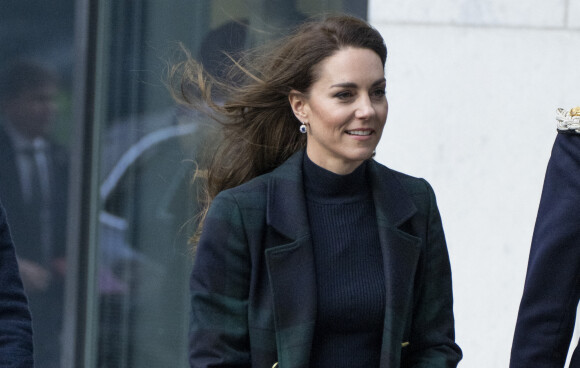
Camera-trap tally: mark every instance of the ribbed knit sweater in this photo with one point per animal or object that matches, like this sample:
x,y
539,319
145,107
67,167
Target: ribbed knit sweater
x,y
349,268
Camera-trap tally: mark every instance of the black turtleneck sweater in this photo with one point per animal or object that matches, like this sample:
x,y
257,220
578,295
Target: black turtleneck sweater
x,y
349,268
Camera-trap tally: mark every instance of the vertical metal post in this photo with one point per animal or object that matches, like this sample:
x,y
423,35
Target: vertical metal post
x,y
81,312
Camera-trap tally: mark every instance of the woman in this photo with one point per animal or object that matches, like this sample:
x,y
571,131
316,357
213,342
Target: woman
x,y
311,253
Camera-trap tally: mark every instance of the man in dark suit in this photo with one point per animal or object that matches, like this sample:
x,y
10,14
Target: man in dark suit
x,y
33,178
552,290
15,323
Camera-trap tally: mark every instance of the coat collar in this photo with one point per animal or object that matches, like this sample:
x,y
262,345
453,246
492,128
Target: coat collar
x,y
286,209
291,266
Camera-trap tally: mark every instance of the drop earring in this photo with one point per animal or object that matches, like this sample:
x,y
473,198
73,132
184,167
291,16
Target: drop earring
x,y
303,128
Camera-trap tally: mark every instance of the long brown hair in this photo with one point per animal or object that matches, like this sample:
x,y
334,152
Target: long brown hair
x,y
259,129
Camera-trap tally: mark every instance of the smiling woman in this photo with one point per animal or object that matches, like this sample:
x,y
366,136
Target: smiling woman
x,y
312,254
345,109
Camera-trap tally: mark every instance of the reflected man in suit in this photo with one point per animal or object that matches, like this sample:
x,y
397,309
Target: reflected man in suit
x,y
33,187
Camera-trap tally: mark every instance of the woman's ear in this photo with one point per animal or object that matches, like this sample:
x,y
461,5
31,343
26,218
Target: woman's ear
x,y
299,105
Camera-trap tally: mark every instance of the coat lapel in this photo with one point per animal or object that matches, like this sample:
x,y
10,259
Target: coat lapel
x,y
291,265
400,256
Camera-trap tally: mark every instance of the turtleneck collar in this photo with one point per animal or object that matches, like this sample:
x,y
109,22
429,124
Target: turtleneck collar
x,y
323,185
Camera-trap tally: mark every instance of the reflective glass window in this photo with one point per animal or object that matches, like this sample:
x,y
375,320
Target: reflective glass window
x,y
36,63
122,251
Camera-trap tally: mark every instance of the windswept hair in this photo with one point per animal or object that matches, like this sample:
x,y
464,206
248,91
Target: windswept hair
x,y
259,129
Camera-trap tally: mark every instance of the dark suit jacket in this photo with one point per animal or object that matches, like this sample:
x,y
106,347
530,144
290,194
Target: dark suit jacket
x,y
15,323
253,283
46,306
21,218
548,307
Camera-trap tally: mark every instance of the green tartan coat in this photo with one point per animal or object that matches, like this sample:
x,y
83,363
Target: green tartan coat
x,y
253,292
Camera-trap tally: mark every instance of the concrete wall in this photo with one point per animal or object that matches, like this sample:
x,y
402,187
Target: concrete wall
x,y
473,87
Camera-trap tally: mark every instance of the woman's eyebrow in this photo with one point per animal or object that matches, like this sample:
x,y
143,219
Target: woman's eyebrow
x,y
380,81
344,85
354,85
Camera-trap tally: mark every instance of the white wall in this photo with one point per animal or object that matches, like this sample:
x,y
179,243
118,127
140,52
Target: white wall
x,y
473,87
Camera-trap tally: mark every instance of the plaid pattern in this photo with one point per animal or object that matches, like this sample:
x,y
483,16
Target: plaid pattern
x,y
253,290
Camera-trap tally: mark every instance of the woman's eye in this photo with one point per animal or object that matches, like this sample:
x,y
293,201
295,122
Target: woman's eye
x,y
343,95
380,92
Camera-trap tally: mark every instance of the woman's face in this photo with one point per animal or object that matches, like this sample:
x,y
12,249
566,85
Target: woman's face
x,y
345,110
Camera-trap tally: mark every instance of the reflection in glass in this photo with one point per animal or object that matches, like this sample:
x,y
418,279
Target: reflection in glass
x,y
36,39
148,150
33,188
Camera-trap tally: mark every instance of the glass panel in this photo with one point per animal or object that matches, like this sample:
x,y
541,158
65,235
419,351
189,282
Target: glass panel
x,y
36,39
148,150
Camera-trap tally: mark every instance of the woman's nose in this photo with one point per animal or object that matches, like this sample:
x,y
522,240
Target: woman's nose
x,y
365,108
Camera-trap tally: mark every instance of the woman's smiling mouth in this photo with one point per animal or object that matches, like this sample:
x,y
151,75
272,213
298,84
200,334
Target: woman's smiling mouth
x,y
360,132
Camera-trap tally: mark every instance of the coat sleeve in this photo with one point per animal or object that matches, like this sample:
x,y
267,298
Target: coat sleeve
x,y
432,340
15,321
219,290
547,310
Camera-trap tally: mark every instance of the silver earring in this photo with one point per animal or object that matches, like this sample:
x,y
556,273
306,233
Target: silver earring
x,y
303,128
